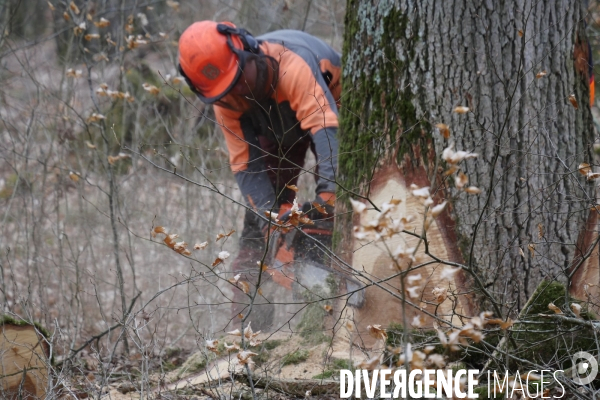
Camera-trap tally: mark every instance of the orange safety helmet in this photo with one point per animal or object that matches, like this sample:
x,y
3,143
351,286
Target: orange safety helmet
x,y
210,58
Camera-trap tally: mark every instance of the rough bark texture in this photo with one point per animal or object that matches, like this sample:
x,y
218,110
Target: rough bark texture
x,y
409,64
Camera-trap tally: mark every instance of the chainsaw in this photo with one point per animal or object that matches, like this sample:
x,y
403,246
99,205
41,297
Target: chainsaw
x,y
299,262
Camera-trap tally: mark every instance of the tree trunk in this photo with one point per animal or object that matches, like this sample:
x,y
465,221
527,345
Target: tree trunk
x,y
408,65
25,361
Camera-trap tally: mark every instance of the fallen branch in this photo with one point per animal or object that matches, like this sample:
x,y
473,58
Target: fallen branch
x,y
295,387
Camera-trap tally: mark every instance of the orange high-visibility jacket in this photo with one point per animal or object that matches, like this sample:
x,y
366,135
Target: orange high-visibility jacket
x,y
304,103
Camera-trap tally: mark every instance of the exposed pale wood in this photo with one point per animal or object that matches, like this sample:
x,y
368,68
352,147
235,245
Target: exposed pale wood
x,y
375,260
24,362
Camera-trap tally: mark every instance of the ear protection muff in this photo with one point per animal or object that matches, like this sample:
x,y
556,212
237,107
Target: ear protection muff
x,y
248,41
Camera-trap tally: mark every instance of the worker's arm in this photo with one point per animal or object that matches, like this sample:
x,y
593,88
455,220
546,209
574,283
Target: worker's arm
x,y
303,85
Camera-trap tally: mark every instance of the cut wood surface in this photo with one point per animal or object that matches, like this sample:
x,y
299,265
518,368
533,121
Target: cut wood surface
x,y
383,302
24,366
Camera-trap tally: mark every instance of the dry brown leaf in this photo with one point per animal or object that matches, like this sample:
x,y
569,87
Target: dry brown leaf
x,y
51,6
520,33
66,16
541,74
91,36
473,190
554,308
584,168
102,23
531,248
170,240
573,101
440,294
235,279
200,246
319,208
173,4
212,345
216,262
74,8
576,308
263,266
244,286
244,357
180,247
90,145
444,130
592,176
461,180
159,229
461,110
521,252
292,187
327,308
232,347
74,177
72,73
95,118
437,210
506,324
377,332
151,88
235,333
370,364
305,220
451,170
222,235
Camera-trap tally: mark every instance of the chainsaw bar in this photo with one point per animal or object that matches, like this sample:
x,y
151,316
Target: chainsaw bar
x,y
308,273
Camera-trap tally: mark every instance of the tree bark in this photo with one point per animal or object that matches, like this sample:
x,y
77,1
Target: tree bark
x,y
408,65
